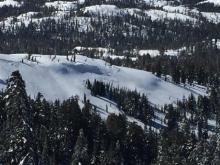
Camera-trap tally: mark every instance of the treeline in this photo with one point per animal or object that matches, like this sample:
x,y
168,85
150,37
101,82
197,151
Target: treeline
x,y
35,131
198,64
130,102
196,111
190,136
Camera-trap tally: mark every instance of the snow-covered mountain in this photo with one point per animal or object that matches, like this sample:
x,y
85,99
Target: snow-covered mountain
x,y
156,10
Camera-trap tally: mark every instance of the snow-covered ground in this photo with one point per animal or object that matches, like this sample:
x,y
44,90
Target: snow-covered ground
x,y
9,3
156,3
169,52
214,2
61,5
108,52
166,11
162,15
56,77
105,10
151,52
211,16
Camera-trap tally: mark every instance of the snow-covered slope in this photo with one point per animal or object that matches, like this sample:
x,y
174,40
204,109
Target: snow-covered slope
x,y
160,14
9,3
106,10
61,5
159,10
214,2
56,77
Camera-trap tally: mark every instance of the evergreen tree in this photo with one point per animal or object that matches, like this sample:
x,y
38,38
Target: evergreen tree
x,y
80,155
216,157
17,132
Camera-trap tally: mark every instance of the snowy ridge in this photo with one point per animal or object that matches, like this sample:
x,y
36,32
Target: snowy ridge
x,y
214,2
161,10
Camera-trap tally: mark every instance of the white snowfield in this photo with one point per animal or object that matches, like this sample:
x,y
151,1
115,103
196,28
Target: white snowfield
x,y
170,12
55,77
163,15
105,10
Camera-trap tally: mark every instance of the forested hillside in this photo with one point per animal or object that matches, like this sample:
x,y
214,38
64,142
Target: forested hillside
x,y
125,30
35,131
110,82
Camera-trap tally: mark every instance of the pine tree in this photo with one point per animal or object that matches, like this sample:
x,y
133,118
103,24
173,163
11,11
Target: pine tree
x,y
134,145
2,112
116,126
80,155
114,155
216,157
18,124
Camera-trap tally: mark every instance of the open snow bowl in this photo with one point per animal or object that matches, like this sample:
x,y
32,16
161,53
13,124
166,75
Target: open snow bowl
x,y
57,78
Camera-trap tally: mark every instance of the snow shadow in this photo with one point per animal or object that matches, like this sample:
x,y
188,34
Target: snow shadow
x,y
80,68
2,82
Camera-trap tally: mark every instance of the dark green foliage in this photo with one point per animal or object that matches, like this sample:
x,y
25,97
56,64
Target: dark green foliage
x,y
200,65
131,103
17,124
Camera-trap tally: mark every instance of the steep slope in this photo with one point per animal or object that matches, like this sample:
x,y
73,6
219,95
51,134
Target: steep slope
x,y
56,77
